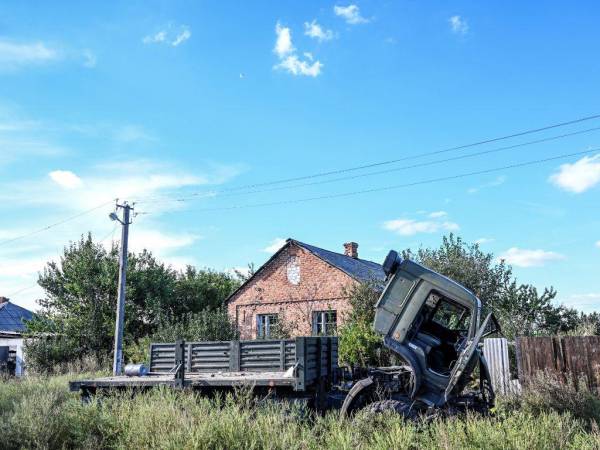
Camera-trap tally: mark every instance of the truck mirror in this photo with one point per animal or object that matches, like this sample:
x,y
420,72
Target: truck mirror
x,y
392,260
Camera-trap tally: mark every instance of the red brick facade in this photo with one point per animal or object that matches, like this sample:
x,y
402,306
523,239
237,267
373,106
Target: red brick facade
x,y
293,285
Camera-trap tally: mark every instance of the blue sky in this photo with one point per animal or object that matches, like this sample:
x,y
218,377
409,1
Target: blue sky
x,y
158,101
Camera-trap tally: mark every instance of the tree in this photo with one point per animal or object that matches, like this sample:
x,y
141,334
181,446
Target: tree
x,y
81,292
520,308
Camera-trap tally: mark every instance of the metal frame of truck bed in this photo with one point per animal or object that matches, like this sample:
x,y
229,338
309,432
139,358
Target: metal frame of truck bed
x,y
296,365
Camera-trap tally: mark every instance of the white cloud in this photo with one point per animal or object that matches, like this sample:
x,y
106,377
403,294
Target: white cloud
x,y
438,214
529,258
458,25
89,59
158,37
171,35
296,66
275,245
16,55
22,138
409,227
183,36
484,240
65,179
579,176
350,13
132,133
133,180
283,42
598,244
316,31
288,59
22,267
158,242
498,181
584,302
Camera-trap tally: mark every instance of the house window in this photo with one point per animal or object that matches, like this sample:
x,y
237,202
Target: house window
x,y
324,323
265,325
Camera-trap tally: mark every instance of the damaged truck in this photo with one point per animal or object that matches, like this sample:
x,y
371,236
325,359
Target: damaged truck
x,y
431,325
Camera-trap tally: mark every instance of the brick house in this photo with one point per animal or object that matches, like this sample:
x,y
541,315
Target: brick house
x,y
302,287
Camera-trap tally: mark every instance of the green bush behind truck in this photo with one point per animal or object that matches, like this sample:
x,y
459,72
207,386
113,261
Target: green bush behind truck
x,y
432,325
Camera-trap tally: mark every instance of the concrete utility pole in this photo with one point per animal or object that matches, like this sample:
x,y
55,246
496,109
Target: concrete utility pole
x,y
118,362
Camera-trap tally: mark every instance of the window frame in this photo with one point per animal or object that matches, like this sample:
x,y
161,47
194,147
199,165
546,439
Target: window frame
x,y
264,323
319,321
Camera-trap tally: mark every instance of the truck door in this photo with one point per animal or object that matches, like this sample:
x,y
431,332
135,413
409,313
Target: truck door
x,y
465,358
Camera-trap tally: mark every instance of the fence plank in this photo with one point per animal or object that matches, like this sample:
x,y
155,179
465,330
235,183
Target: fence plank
x,y
564,357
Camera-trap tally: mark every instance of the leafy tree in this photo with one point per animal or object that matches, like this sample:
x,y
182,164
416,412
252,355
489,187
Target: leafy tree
x,y
520,308
80,298
81,293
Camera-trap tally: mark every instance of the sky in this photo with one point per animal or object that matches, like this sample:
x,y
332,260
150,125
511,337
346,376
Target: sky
x,y
197,111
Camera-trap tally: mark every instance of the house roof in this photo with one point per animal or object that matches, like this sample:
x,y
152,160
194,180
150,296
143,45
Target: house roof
x,y
12,317
359,269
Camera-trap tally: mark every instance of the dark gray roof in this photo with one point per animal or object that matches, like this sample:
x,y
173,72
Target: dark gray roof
x,y
359,269
12,317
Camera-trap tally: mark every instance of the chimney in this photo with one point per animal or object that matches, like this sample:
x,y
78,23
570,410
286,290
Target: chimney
x,y
351,249
3,300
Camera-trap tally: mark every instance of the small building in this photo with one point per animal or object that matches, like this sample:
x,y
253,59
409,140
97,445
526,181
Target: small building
x,y
302,289
12,327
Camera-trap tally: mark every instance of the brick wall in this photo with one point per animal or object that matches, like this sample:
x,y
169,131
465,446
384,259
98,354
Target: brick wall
x,y
293,285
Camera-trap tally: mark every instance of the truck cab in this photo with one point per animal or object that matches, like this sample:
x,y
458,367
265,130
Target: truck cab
x,y
434,324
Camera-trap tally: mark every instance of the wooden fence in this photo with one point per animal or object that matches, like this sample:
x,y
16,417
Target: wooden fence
x,y
562,357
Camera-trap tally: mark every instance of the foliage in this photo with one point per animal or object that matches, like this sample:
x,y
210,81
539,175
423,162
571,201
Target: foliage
x,y
209,325
137,352
81,293
41,413
359,345
520,308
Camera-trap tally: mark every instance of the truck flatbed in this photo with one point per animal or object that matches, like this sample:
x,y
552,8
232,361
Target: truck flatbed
x,y
295,365
218,379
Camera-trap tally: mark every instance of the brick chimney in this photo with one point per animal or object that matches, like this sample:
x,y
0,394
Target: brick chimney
x,y
351,249
3,300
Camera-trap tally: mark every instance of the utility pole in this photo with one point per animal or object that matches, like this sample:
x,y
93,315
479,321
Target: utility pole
x,y
118,362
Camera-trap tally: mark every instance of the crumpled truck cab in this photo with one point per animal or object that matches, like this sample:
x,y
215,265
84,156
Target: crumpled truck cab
x,y
434,325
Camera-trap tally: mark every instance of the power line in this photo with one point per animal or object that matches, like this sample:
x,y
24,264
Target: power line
x,y
21,290
68,219
395,169
416,156
398,186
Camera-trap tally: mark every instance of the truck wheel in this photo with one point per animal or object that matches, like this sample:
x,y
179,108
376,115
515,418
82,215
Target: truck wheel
x,y
399,407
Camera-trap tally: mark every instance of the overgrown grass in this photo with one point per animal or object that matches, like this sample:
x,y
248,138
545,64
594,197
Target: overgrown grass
x,y
546,393
41,413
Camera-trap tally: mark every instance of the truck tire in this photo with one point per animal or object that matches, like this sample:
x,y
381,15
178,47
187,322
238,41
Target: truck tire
x,y
399,407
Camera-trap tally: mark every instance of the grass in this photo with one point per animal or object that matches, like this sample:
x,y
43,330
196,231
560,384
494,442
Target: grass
x,y
39,412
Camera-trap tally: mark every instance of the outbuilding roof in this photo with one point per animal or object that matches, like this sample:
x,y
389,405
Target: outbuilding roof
x,y
12,317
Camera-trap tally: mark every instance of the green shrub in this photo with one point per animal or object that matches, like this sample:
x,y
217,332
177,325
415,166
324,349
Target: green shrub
x,y
209,325
359,345
137,352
